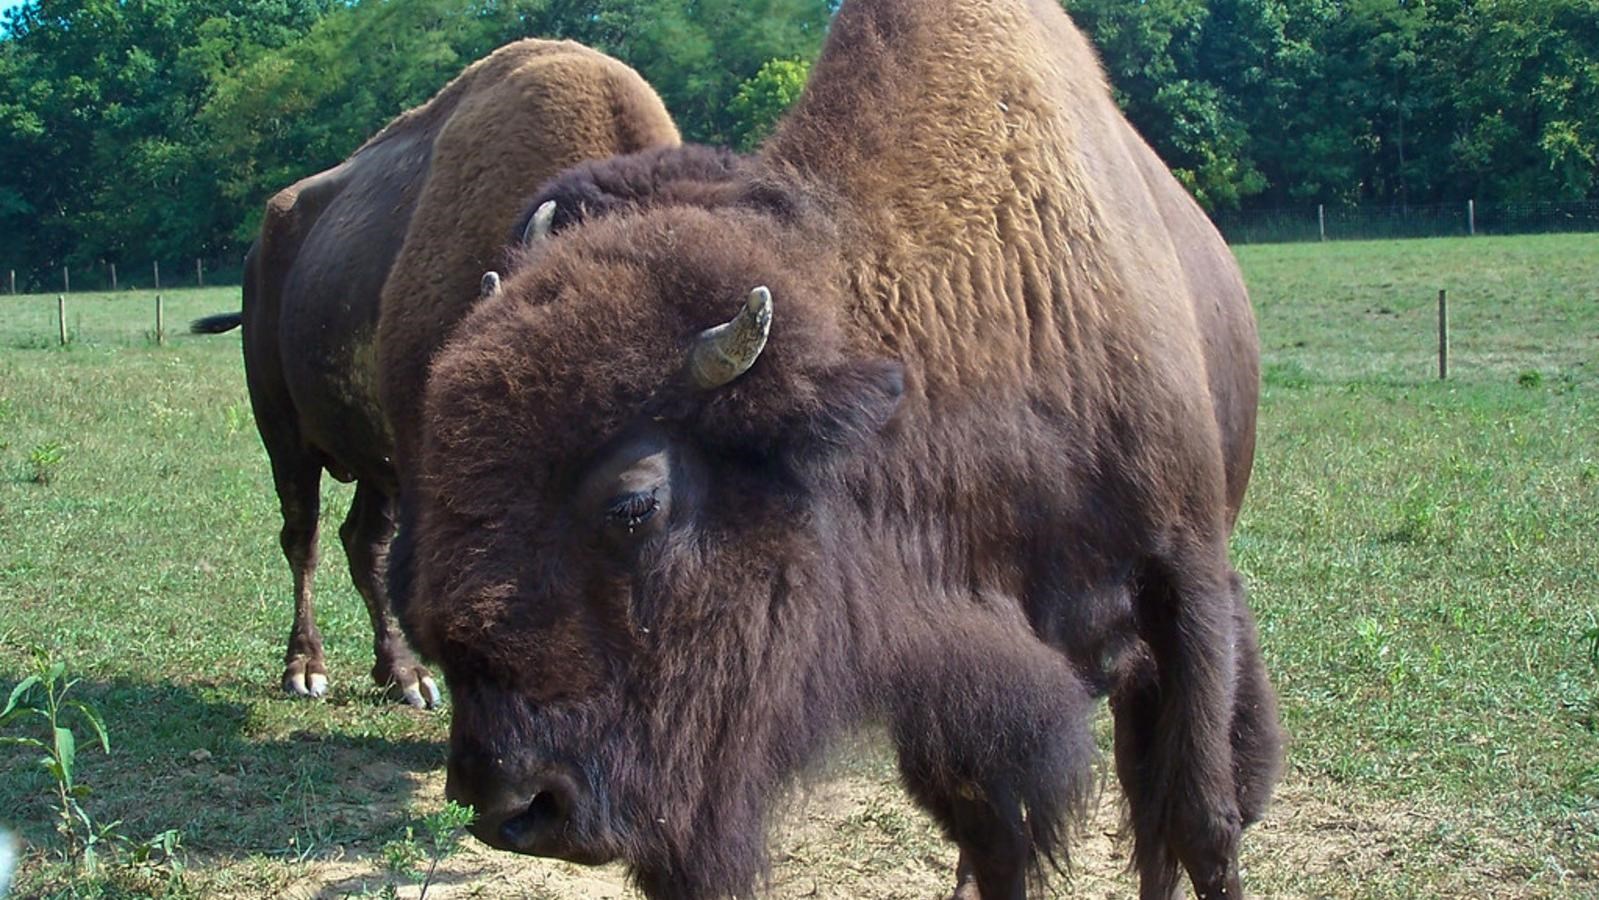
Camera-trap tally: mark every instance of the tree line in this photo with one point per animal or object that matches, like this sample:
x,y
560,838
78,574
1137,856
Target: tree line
x,y
133,130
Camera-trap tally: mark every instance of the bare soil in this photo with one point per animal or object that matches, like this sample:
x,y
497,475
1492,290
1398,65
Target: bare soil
x,y
855,835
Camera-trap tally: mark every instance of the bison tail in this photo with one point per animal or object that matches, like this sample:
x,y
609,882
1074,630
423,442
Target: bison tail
x,y
216,324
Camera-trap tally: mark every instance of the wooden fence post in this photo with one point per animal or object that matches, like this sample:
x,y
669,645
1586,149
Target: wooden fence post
x,y
1471,217
66,280
61,317
160,322
1443,335
13,282
113,278
157,267
1321,220
199,274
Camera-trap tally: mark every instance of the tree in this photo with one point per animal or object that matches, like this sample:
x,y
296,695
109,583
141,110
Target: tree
x,y
764,97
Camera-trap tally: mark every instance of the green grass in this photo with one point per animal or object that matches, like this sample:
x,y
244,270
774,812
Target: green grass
x,y
1423,558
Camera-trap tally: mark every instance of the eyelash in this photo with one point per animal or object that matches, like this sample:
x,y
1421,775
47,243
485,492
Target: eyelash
x,y
632,510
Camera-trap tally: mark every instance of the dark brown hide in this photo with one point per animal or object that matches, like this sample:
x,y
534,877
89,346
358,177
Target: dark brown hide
x,y
985,468
691,174
328,244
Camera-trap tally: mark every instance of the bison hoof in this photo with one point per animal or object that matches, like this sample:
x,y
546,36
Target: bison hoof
x,y
302,678
416,688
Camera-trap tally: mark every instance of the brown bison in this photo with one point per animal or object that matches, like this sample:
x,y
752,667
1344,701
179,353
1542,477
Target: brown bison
x,y
936,414
414,216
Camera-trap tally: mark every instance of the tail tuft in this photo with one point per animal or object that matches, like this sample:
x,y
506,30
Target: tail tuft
x,y
216,324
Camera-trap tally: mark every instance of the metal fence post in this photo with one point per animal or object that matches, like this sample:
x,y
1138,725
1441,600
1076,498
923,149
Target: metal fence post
x,y
1471,217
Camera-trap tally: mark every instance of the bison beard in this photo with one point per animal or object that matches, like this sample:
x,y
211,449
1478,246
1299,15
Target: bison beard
x,y
982,469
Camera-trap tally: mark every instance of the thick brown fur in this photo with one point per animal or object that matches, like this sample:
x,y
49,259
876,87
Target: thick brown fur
x,y
691,174
422,207
985,468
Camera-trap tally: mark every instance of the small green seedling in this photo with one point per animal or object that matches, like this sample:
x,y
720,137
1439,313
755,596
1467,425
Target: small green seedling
x,y
403,858
43,695
43,460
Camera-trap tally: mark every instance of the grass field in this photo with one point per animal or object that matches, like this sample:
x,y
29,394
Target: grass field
x,y
1423,556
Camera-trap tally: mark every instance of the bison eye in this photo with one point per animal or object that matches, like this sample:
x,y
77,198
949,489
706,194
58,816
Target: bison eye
x,y
632,510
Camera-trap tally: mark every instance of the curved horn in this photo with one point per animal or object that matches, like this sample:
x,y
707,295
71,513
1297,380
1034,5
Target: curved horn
x,y
538,227
727,351
489,286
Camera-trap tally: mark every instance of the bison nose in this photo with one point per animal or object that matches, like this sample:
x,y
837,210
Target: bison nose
x,y
535,818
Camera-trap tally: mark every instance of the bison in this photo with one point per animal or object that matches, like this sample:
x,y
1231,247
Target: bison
x,y
936,414
397,237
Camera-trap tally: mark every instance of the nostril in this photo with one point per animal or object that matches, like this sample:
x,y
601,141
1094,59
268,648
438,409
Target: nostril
x,y
547,808
539,825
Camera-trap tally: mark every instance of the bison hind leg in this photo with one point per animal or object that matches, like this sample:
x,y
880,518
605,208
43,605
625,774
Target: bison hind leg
x,y
997,746
298,479
367,532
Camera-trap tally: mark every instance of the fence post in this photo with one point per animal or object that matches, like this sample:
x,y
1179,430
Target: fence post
x,y
13,282
160,322
157,267
61,317
66,280
113,278
1443,335
1321,220
199,274
1471,217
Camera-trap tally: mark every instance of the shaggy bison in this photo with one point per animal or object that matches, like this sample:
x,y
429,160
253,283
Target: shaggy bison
x,y
414,217
938,413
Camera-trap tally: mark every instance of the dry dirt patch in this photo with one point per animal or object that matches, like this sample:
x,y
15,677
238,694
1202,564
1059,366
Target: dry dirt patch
x,y
855,835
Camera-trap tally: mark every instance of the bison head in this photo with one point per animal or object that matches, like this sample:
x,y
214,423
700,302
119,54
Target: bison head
x,y
630,486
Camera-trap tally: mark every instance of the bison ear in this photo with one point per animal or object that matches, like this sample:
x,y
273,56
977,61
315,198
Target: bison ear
x,y
856,400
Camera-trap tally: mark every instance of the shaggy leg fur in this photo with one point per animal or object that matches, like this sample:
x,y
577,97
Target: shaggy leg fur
x,y
1257,737
1189,716
299,484
994,743
366,533
1135,704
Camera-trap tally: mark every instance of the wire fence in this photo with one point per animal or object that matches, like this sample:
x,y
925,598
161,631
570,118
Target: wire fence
x,y
1333,223
1251,226
137,317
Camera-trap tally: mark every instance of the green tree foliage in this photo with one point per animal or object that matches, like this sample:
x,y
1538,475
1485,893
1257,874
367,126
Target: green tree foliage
x,y
100,158
133,130
762,100
1267,102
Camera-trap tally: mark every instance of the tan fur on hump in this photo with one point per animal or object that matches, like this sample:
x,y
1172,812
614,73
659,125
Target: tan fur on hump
x,y
1003,224
543,106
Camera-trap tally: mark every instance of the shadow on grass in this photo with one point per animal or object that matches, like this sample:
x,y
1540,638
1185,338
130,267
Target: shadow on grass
x,y
196,759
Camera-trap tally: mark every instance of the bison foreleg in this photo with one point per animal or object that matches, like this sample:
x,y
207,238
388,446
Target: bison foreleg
x,y
1175,731
992,729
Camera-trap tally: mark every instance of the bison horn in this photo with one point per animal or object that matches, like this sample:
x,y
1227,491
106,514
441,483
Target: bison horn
x,y
489,286
727,351
538,227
